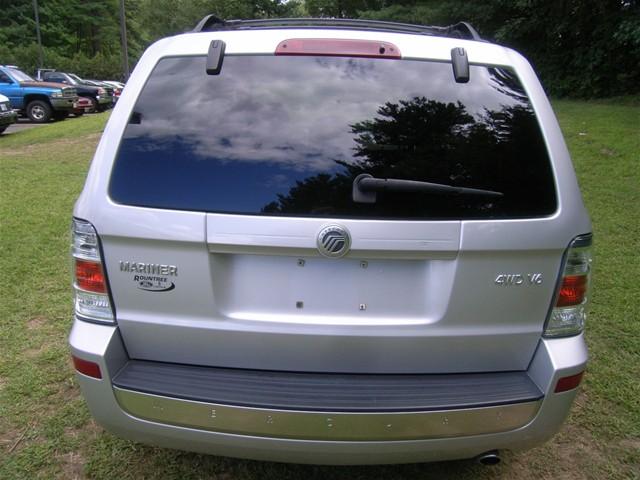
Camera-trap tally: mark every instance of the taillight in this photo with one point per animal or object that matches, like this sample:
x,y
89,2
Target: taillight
x,y
570,308
91,290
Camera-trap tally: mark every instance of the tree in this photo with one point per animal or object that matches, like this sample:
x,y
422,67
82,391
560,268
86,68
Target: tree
x,y
171,17
585,48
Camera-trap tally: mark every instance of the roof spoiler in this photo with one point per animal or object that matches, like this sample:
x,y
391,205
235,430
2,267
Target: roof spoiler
x,y
461,30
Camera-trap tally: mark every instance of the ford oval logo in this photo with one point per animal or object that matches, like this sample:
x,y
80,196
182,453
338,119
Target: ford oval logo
x,y
334,241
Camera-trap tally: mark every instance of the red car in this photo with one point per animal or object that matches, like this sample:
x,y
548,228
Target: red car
x,y
81,106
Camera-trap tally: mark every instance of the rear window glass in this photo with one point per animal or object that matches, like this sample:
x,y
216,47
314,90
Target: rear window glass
x,y
276,135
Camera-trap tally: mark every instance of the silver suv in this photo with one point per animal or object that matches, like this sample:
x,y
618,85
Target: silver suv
x,y
332,241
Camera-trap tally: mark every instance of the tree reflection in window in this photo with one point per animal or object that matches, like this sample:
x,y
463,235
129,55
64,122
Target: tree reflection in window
x,y
428,140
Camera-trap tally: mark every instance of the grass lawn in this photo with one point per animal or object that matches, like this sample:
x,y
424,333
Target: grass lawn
x,y
46,431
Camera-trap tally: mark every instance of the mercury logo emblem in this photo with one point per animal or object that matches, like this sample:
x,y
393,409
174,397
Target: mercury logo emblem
x,y
334,241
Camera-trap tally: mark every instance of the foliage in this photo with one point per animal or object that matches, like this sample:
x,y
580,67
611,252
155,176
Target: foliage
x,y
83,36
78,35
580,48
101,65
169,17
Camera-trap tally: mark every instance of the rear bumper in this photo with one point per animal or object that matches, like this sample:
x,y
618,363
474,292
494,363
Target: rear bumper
x,y
324,437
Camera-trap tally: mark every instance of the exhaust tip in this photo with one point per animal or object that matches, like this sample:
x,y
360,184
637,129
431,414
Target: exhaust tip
x,y
489,458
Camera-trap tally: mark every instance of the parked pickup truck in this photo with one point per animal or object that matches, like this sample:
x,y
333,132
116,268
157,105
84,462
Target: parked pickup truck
x,y
40,101
101,97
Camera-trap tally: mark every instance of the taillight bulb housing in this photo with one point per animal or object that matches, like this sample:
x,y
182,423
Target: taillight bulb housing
x,y
569,310
90,286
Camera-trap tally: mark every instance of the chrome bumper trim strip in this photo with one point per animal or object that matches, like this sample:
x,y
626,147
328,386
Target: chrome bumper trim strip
x,y
334,426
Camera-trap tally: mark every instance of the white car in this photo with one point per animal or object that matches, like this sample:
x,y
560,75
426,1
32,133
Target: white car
x,y
340,242
7,114
119,85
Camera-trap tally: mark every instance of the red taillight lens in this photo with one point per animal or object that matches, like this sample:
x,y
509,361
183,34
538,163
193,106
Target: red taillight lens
x,y
89,276
86,367
568,383
573,290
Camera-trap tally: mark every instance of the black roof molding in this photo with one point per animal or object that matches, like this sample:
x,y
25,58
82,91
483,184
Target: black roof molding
x,y
461,30
208,24
464,30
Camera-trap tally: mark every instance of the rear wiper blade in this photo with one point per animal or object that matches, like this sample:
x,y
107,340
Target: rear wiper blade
x,y
365,188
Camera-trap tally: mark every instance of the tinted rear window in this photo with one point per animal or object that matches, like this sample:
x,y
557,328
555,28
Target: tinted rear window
x,y
278,135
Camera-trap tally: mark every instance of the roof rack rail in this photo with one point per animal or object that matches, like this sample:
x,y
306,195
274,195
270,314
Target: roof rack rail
x,y
461,30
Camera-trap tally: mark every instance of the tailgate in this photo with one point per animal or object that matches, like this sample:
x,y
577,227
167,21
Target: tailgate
x,y
232,179
253,295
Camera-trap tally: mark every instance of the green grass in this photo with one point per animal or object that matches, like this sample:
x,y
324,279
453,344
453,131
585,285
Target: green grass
x,y
46,431
75,128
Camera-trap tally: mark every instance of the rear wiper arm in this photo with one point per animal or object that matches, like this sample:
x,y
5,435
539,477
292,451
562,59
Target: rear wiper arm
x,y
365,188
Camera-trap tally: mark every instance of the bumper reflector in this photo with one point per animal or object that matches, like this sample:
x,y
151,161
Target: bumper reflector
x,y
86,367
568,383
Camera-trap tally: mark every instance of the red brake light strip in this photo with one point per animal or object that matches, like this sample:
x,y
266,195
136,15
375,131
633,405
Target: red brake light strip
x,y
333,47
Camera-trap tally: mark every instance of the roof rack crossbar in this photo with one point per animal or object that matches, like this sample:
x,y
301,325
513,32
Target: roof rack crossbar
x,y
460,30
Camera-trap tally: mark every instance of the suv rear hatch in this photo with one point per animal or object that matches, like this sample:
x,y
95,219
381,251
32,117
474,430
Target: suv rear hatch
x,y
225,185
